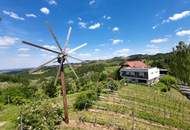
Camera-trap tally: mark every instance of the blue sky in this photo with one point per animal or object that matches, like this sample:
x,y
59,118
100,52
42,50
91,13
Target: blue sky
x,y
110,27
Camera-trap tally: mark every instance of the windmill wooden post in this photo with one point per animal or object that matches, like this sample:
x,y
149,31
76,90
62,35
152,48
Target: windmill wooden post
x,y
64,94
61,58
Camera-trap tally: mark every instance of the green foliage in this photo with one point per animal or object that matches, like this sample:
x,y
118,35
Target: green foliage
x,y
96,67
17,94
168,80
102,77
124,81
116,74
112,85
162,87
85,100
49,88
42,115
179,62
1,107
14,79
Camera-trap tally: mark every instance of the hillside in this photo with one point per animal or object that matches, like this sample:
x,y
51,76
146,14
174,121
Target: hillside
x,y
132,106
114,105
137,107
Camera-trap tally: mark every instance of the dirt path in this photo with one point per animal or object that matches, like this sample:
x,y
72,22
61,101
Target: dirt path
x,y
87,126
2,123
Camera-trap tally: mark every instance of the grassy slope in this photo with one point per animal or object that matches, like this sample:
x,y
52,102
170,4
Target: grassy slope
x,y
152,110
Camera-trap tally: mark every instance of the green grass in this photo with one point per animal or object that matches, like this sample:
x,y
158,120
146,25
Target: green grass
x,y
147,103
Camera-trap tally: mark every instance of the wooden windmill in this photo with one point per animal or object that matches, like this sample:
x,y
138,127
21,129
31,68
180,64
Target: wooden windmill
x,y
63,54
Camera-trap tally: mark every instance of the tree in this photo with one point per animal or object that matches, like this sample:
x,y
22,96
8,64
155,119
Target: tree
x,y
179,62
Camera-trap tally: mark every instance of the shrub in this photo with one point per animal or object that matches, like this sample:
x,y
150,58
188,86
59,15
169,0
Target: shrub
x,y
41,116
1,107
49,88
116,74
14,79
112,85
124,81
102,77
17,94
162,87
168,80
17,100
85,100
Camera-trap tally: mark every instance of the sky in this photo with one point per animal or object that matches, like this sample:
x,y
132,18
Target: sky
x,y
109,27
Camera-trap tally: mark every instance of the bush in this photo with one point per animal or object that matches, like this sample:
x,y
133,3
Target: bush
x,y
162,87
168,80
17,94
116,74
1,107
85,100
49,88
41,116
112,85
124,81
14,79
102,77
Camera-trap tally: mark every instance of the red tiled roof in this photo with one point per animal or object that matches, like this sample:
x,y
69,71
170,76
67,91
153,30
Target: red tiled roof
x,y
135,64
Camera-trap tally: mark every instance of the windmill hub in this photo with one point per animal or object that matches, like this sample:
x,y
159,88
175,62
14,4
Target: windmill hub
x,y
60,58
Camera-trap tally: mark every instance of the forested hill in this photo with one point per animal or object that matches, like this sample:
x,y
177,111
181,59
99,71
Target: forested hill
x,y
157,60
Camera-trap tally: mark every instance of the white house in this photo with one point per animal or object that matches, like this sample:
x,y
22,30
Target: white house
x,y
137,71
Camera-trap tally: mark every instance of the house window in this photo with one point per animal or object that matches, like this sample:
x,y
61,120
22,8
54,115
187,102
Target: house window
x,y
123,73
132,74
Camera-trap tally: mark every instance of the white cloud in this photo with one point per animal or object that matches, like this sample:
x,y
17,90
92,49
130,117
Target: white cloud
x,y
151,49
23,49
116,41
96,50
52,2
70,22
176,17
115,29
92,2
13,15
82,24
107,17
23,55
45,10
31,15
6,41
23,52
79,18
179,16
155,26
183,33
94,26
84,56
52,47
122,52
159,40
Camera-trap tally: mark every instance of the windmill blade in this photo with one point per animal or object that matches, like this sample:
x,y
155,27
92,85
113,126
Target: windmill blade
x,y
72,69
54,36
67,39
76,58
38,68
58,72
72,50
34,45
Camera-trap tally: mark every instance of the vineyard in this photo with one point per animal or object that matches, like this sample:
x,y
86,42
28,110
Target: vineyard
x,y
135,107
